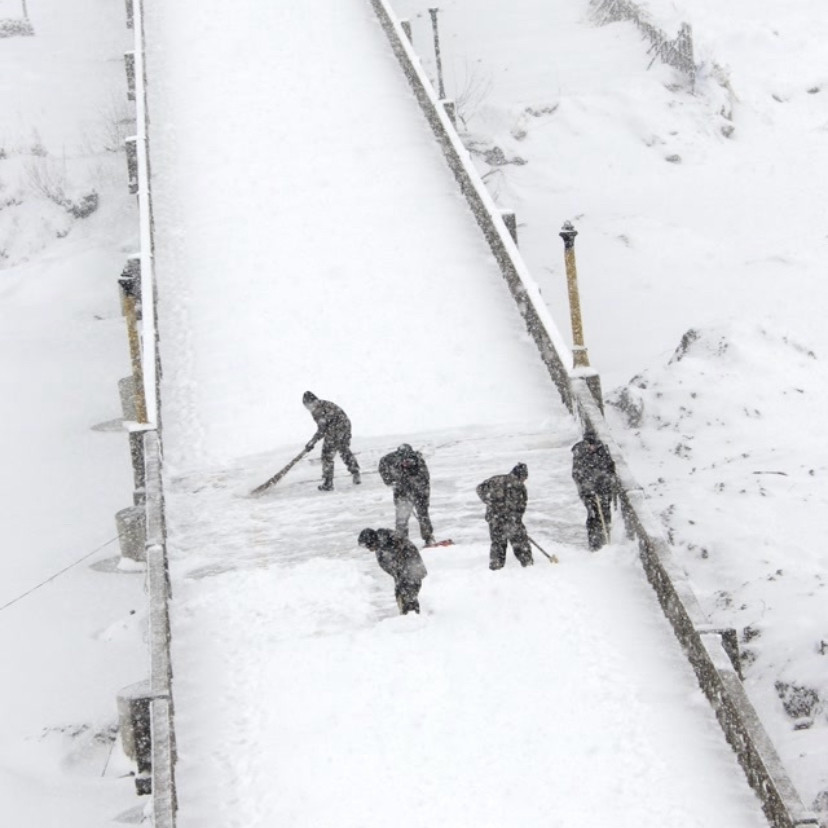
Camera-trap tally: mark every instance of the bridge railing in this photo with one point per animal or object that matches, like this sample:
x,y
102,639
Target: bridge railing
x,y
156,760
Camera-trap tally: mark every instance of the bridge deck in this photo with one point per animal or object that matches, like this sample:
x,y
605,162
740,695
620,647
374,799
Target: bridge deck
x,y
310,236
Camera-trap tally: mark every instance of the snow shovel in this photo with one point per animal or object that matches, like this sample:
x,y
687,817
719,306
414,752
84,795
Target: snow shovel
x,y
272,481
553,559
603,522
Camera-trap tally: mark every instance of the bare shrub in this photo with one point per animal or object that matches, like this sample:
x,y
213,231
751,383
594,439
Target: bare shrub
x,y
16,28
116,122
49,179
474,89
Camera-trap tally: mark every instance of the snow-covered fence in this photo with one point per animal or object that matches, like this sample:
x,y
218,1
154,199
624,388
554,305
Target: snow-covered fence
x,y
676,52
522,285
712,652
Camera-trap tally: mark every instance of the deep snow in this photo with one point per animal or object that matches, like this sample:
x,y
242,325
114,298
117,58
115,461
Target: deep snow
x,y
732,236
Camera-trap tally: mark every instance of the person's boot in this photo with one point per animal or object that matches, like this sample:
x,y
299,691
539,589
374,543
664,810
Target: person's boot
x,y
326,486
495,565
357,478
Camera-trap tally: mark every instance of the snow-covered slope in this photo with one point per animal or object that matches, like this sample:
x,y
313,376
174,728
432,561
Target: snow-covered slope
x,y
698,210
71,621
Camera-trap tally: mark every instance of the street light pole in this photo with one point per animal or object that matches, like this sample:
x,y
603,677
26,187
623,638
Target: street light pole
x,y
580,359
442,91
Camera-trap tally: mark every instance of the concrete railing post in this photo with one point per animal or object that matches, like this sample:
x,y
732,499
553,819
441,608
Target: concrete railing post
x,y
132,533
451,111
441,89
510,220
129,66
134,726
131,146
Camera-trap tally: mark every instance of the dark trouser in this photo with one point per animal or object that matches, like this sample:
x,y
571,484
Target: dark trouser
x,y
597,520
330,446
406,593
508,530
405,505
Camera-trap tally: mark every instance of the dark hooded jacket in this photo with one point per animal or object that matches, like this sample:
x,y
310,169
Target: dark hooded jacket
x,y
332,422
406,470
399,557
593,468
504,495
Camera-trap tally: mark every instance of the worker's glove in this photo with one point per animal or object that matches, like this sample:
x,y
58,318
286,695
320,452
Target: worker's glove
x,y
310,445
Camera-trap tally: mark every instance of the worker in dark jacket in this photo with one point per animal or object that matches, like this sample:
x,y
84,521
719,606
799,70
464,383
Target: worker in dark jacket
x,y
505,499
334,429
406,470
593,471
401,560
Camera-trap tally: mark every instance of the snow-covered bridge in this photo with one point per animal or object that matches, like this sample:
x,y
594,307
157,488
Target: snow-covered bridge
x,y
309,236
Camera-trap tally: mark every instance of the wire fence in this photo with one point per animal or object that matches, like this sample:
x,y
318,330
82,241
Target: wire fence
x,y
676,51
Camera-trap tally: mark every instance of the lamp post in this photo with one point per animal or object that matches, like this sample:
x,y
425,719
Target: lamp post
x,y
130,282
580,359
442,91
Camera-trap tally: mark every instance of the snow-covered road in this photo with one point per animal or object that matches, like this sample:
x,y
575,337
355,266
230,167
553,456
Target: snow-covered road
x,y
310,236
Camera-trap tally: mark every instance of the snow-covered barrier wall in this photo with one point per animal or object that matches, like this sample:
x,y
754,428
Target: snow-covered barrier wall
x,y
158,587
147,450
712,652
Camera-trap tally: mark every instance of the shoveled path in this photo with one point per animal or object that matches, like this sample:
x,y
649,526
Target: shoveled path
x,y
309,236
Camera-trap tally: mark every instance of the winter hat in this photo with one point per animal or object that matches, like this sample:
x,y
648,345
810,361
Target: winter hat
x,y
369,538
408,457
589,435
520,471
309,397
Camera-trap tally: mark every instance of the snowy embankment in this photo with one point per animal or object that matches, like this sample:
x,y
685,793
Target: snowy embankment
x,y
71,620
698,212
